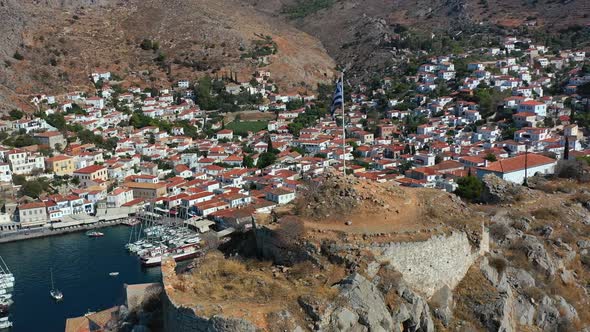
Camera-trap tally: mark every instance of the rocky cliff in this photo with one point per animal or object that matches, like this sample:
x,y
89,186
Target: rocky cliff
x,y
348,270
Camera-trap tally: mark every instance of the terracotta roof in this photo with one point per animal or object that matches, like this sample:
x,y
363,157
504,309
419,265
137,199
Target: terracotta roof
x,y
518,163
48,134
58,158
32,205
532,103
90,169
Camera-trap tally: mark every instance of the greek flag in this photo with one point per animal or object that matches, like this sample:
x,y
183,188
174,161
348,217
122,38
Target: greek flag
x,y
338,97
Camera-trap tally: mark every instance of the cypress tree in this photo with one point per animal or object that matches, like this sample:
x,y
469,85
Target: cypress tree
x,y
566,151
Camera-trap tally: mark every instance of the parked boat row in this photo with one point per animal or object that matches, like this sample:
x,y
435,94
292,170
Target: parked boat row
x,y
151,243
159,241
6,286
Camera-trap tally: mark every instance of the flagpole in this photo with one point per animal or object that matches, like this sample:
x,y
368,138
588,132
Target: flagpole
x,y
343,127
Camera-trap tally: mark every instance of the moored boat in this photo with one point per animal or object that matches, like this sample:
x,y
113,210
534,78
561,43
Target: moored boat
x,y
179,254
5,323
94,234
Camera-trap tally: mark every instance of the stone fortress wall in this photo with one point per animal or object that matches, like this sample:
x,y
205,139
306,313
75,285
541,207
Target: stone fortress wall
x,y
428,266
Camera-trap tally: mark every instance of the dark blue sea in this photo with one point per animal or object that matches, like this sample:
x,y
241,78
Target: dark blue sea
x,y
81,267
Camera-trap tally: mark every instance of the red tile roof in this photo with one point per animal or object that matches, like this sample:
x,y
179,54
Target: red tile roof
x,y
518,163
90,169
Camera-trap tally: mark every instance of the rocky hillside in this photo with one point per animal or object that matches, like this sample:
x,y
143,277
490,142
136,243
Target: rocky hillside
x,y
358,34
59,43
360,256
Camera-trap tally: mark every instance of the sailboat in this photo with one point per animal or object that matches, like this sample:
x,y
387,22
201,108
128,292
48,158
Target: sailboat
x,y
55,293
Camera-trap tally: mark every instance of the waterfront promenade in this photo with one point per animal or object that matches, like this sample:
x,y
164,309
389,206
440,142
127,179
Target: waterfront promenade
x,y
70,224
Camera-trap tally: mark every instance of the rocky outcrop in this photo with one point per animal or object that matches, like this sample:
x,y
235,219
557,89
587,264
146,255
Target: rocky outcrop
x,y
365,300
547,317
538,255
524,311
497,315
497,190
414,314
335,195
443,305
361,306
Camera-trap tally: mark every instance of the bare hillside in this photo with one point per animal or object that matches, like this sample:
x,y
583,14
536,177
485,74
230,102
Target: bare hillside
x,y
62,43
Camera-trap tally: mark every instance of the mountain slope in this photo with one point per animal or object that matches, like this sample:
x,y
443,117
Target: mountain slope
x,y
63,43
358,33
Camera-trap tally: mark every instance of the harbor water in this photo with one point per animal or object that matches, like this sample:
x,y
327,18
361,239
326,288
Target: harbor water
x,y
81,267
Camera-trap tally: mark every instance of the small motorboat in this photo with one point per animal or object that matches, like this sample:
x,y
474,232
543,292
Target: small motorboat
x,y
55,293
94,234
114,274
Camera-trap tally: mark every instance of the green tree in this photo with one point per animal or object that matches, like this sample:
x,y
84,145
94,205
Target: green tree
x,y
490,157
16,114
295,104
57,120
18,180
248,161
266,159
34,188
469,187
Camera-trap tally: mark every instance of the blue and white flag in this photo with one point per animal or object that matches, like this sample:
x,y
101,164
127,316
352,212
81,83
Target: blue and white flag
x,y
338,97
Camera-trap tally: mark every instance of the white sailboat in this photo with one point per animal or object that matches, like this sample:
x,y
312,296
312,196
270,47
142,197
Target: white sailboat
x,y
55,293
6,277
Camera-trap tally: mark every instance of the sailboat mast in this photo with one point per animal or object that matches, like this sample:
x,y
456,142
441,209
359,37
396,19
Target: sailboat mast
x,y
51,272
4,265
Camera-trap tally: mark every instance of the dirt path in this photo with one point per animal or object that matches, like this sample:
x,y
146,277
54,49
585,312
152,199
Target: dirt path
x,y
400,214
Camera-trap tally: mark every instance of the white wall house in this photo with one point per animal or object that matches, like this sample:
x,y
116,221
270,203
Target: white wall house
x,y
533,106
281,196
514,169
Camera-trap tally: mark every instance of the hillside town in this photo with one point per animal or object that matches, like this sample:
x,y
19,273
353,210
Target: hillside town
x,y
224,150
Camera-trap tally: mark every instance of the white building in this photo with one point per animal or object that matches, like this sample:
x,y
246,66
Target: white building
x,y
183,84
514,169
533,106
119,196
5,172
22,162
280,195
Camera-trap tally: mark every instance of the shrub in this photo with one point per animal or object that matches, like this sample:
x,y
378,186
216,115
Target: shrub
x,y
469,187
16,114
545,213
534,293
18,56
572,169
498,263
291,230
499,231
146,44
